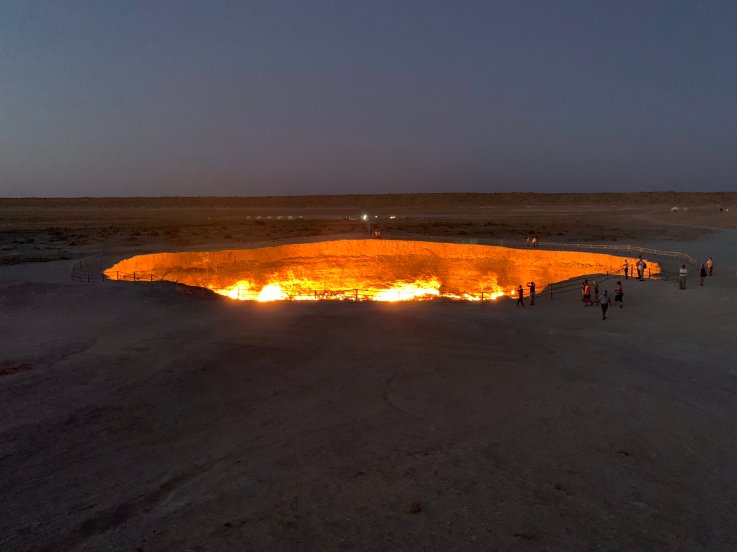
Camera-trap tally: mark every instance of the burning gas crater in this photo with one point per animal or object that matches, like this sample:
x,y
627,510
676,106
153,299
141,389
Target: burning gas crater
x,y
378,270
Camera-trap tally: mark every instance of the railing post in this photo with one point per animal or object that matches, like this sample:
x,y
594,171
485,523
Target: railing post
x,y
134,276
482,297
117,275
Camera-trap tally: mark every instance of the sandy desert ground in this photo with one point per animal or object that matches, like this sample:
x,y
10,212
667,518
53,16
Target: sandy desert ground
x,y
135,418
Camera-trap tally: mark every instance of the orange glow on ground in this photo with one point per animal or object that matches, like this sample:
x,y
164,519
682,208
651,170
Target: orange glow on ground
x,y
379,270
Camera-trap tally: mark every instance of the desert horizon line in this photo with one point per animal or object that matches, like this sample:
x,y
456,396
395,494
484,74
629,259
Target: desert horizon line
x,y
355,195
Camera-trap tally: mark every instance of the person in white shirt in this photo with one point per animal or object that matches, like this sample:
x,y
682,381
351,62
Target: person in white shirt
x,y
682,274
605,302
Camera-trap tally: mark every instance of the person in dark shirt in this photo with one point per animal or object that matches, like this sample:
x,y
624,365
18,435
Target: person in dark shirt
x,y
618,294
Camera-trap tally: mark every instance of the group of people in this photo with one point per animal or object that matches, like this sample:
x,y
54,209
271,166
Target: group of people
x,y
707,269
605,301
521,294
640,265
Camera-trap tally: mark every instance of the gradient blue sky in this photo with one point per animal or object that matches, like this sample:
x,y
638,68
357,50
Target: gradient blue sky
x,y
321,97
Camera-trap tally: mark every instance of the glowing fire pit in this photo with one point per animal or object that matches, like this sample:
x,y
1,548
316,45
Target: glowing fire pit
x,y
379,270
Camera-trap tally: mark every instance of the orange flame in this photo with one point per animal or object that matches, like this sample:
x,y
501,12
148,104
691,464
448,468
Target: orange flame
x,y
378,270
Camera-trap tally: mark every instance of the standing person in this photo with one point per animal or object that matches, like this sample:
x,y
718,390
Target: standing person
x,y
703,274
531,285
596,291
605,302
583,290
618,294
710,266
638,266
626,269
682,274
586,294
520,296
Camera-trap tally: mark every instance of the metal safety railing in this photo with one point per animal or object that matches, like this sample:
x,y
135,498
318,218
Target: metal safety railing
x,y
357,294
687,259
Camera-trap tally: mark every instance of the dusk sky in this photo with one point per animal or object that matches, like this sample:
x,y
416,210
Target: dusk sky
x,y
320,97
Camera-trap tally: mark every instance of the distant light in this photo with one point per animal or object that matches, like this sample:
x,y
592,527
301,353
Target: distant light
x,y
364,217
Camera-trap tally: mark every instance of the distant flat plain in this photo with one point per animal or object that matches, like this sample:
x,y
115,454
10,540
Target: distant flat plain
x,y
52,228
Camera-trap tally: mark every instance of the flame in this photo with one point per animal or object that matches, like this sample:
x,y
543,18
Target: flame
x,y
359,270
271,292
407,291
298,290
240,290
